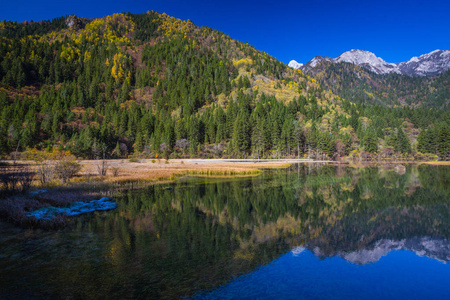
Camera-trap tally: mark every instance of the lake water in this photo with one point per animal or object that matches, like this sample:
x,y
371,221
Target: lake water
x,y
309,232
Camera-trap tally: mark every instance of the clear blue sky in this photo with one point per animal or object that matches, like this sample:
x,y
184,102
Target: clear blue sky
x,y
394,30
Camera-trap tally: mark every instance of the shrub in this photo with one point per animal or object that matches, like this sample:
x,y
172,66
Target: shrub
x,y
102,168
67,169
115,171
56,163
134,159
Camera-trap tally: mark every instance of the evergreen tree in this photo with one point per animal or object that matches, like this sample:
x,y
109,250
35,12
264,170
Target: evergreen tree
x,y
443,141
258,140
371,142
241,134
403,143
422,142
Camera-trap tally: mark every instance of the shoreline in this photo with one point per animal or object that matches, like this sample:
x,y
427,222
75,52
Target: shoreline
x,y
151,171
121,174
135,174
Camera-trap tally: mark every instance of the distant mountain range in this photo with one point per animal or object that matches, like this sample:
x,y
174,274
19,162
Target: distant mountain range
x,y
438,249
430,64
362,77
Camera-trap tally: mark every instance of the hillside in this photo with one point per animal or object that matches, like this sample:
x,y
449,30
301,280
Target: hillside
x,y
358,84
152,85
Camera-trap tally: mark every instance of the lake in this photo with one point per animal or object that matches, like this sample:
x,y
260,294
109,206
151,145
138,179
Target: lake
x,y
313,231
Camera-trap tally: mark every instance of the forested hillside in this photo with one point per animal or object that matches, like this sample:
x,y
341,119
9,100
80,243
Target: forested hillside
x,y
360,85
152,85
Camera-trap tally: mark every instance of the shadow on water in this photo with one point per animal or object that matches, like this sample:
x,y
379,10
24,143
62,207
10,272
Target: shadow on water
x,y
203,233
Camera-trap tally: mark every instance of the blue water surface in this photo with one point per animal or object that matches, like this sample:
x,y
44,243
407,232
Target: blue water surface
x,y
311,231
398,275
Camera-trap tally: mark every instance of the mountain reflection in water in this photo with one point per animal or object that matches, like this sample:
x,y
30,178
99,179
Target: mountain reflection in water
x,y
206,232
424,246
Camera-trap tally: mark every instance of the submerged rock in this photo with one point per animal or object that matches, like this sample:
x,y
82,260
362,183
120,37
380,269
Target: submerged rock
x,y
74,209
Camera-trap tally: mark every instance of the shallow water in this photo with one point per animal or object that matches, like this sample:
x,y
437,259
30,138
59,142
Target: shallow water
x,y
311,232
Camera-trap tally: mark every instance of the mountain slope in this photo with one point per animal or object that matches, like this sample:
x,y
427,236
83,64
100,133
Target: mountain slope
x,y
362,77
150,84
357,84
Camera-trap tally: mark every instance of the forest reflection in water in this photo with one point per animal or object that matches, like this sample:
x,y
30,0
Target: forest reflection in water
x,y
205,232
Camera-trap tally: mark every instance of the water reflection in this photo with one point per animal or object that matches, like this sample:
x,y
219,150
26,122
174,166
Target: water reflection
x,y
204,233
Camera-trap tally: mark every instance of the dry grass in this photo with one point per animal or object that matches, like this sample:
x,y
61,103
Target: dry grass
x,y
146,171
223,172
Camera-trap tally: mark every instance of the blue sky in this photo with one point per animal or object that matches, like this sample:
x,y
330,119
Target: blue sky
x,y
394,30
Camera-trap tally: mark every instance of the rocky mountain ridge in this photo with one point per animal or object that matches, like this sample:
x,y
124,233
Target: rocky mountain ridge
x,y
430,64
437,249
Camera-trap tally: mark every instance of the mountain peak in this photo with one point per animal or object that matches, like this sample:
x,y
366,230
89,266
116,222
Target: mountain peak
x,y
361,56
368,60
433,63
294,64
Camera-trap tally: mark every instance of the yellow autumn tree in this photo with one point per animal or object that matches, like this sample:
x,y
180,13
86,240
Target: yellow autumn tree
x,y
117,71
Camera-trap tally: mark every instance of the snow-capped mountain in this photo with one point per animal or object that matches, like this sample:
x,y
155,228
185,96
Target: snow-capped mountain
x,y
438,249
294,64
433,63
367,60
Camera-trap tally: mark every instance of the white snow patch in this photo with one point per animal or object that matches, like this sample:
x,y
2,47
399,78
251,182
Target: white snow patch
x,y
294,64
297,251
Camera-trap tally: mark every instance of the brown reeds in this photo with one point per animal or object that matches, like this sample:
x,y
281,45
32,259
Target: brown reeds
x,y
15,179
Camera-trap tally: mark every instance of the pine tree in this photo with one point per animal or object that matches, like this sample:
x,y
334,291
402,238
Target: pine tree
x,y
371,142
139,142
117,151
298,137
241,137
443,141
258,140
403,143
95,150
422,145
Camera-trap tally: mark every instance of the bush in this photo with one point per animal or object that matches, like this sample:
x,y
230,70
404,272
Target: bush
x,y
67,169
134,159
45,172
56,163
115,171
102,168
